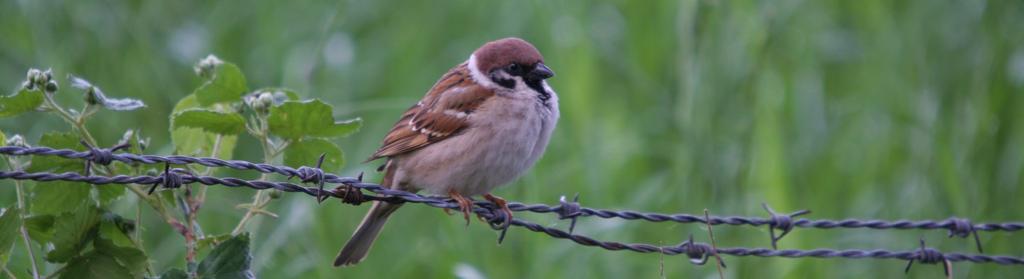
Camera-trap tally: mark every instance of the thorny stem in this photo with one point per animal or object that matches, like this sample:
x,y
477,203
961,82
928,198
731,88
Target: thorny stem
x,y
19,188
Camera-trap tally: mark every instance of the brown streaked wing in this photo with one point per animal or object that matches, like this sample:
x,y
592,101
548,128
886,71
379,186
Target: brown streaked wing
x,y
442,113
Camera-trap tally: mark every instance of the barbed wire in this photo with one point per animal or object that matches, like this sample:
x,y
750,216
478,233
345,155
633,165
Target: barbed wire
x,y
350,191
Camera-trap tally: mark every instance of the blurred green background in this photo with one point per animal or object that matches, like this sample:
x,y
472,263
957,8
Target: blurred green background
x,y
859,109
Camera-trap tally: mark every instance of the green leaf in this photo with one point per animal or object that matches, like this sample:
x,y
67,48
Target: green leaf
x,y
59,197
22,101
226,85
128,257
58,140
195,141
294,120
9,224
173,273
117,229
306,152
224,123
94,95
211,241
108,193
40,228
96,265
75,231
230,259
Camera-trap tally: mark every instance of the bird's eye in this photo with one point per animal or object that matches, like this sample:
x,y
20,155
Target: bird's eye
x,y
513,68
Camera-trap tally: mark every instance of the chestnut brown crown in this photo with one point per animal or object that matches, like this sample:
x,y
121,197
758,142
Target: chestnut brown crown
x,y
504,52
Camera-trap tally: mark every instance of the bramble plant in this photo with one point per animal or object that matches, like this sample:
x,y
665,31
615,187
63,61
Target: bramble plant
x,y
71,221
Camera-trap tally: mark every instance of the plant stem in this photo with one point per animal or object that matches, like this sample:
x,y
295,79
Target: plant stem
x,y
77,123
269,152
20,192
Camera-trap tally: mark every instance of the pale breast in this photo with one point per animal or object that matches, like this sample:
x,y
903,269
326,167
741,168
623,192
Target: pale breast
x,y
506,136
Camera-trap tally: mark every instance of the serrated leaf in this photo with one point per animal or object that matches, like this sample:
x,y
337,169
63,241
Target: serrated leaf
x,y
230,259
224,123
23,100
306,152
58,140
226,85
95,95
59,197
294,120
40,228
96,265
195,141
10,221
75,231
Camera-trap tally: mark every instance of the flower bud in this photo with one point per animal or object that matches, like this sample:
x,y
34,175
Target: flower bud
x,y
16,140
51,87
275,194
206,66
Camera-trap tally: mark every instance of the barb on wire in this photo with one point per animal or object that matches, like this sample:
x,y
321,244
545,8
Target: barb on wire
x,y
101,156
783,222
929,256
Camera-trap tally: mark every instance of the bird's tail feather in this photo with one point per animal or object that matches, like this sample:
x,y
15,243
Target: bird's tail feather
x,y
362,240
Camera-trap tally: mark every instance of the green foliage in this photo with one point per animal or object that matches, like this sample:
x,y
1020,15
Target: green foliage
x,y
59,196
306,152
230,259
10,221
59,140
226,85
196,141
223,123
311,118
22,101
73,231
40,228
174,273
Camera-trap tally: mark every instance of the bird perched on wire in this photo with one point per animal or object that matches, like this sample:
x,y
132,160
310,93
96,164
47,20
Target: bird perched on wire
x,y
479,127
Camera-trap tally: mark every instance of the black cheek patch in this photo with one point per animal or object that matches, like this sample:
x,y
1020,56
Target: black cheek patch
x,y
504,82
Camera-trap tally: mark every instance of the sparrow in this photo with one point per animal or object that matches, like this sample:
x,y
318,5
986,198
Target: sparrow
x,y
480,126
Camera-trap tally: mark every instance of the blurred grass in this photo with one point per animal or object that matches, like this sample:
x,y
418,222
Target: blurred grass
x,y
867,109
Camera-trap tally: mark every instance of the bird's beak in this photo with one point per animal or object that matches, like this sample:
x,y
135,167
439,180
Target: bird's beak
x,y
541,72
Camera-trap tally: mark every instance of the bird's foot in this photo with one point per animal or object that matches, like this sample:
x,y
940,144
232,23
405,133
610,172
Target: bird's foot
x,y
503,205
465,204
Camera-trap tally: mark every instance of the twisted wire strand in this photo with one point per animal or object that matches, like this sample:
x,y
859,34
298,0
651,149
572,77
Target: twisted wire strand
x,y
956,226
698,252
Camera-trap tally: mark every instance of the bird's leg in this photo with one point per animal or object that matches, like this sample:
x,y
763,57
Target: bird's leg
x,y
465,204
502,204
